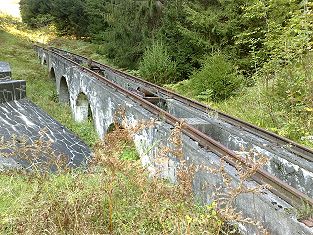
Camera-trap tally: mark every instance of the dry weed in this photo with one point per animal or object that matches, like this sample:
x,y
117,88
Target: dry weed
x,y
224,196
37,157
114,196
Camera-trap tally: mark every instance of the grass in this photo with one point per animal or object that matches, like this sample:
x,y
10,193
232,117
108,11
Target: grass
x,y
283,106
113,196
269,105
116,196
17,49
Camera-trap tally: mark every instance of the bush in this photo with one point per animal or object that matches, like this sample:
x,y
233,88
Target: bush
x,y
217,80
157,66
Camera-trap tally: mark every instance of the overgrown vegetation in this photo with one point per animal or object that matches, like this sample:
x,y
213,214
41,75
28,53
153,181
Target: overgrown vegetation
x,y
258,43
107,198
111,196
35,201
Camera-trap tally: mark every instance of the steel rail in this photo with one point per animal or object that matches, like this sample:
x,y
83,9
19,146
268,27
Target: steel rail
x,y
278,187
298,149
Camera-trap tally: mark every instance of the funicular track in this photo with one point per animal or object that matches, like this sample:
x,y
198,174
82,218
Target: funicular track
x,y
280,188
298,149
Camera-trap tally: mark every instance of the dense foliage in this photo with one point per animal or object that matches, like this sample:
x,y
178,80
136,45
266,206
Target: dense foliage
x,y
249,32
216,80
217,48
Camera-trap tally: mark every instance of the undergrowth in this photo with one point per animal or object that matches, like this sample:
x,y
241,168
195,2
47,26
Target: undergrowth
x,y
17,49
112,196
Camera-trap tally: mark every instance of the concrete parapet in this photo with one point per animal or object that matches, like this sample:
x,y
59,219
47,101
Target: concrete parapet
x,y
5,70
12,90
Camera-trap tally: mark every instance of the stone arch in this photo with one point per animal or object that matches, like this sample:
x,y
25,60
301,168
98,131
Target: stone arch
x,y
52,74
64,94
83,110
44,60
113,126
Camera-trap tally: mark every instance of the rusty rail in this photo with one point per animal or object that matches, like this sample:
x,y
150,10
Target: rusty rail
x,y
292,146
278,187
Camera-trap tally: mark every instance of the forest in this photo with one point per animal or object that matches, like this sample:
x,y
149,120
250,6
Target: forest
x,y
240,51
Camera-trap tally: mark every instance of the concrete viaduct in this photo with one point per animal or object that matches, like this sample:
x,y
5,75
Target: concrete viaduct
x,y
90,97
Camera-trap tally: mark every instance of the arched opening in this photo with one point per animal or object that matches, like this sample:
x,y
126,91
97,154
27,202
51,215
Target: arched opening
x,y
114,126
44,60
64,95
83,114
119,136
52,74
83,110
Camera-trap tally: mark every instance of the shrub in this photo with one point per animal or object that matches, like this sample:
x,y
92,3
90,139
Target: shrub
x,y
218,79
157,66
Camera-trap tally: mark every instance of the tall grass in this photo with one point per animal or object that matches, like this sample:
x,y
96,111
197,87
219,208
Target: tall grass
x,y
112,196
117,196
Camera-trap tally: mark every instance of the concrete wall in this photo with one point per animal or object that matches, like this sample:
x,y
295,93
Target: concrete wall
x,y
5,70
274,213
21,118
12,90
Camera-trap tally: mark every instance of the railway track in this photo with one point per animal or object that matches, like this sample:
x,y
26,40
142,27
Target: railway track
x,y
152,98
296,148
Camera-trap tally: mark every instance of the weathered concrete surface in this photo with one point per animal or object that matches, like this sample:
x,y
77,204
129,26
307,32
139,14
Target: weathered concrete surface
x,y
24,119
284,164
8,163
103,101
5,70
294,170
12,90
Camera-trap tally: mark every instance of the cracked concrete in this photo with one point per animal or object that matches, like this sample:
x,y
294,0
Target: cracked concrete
x,y
24,119
21,118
